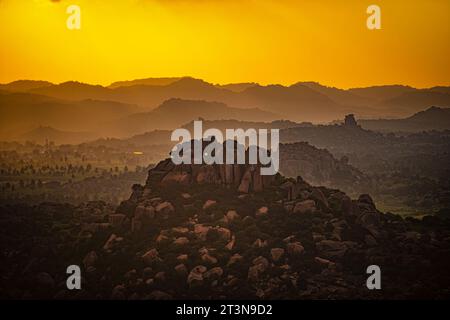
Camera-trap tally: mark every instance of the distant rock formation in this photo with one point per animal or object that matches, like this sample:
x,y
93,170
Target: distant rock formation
x,y
350,121
244,177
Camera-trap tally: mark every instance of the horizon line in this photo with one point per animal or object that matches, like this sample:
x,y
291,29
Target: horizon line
x,y
229,83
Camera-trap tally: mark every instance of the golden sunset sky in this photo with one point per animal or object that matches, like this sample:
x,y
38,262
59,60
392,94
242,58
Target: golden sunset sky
x,y
223,41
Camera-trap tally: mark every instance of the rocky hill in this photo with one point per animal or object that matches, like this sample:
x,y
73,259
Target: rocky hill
x,y
205,231
319,167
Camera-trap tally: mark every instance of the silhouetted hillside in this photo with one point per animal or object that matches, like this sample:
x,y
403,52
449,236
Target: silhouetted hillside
x,y
303,101
146,82
434,118
173,113
24,85
22,112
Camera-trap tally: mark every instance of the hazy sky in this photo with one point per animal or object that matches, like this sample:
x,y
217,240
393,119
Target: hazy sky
x,y
222,41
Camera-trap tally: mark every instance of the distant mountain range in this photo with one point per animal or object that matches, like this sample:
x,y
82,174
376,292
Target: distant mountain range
x,y
303,101
434,118
128,108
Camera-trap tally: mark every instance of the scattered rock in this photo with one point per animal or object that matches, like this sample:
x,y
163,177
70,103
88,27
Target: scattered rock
x,y
164,209
181,241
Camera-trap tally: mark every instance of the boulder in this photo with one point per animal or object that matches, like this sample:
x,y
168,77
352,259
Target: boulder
x,y
260,243
213,274
201,231
181,241
231,216
111,242
164,209
224,233
333,249
276,253
181,269
195,277
234,259
151,256
209,259
261,212
209,204
182,257
230,245
307,206
295,248
260,265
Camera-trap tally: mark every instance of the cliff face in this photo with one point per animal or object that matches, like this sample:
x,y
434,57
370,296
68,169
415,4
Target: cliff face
x,y
244,178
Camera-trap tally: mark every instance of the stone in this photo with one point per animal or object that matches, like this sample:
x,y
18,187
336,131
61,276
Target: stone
x,y
180,230
209,204
195,277
108,246
116,220
324,262
161,238
151,256
160,276
261,212
260,243
230,245
307,206
295,248
224,233
276,253
332,249
213,274
234,259
260,265
182,257
181,269
118,292
209,259
231,216
201,231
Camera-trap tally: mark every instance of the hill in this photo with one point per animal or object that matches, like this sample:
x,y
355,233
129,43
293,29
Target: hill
x,y
433,118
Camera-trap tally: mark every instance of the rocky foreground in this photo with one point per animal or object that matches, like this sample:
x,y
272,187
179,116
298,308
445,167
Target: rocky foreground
x,y
222,232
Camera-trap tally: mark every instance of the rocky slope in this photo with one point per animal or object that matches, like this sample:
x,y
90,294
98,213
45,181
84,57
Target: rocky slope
x,y
191,233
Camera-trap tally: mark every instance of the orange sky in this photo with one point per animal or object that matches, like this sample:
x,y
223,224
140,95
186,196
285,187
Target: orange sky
x,y
222,41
